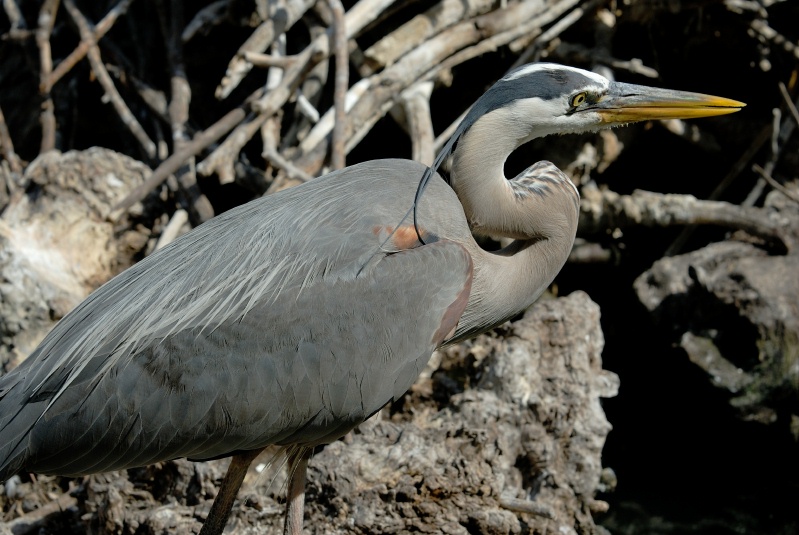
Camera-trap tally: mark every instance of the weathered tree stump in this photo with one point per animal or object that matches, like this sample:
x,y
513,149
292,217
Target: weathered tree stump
x,y
56,245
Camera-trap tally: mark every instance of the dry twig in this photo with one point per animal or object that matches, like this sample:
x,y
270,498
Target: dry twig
x,y
767,32
174,162
774,184
93,52
47,15
198,206
416,31
211,14
556,29
788,102
289,13
338,158
460,42
99,31
356,19
15,18
172,229
220,160
269,60
7,146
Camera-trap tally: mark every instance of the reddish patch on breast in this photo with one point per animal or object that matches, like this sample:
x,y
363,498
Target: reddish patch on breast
x,y
449,323
405,236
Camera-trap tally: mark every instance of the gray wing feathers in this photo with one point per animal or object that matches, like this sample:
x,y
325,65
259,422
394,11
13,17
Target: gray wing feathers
x,y
235,337
322,367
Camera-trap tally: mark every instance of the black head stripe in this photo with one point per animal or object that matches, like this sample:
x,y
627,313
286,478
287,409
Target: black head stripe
x,y
546,84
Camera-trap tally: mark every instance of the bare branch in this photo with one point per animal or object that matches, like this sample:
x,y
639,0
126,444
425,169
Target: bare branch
x,y
268,60
413,33
445,50
15,18
87,34
355,20
601,210
788,102
173,163
416,102
556,29
293,172
197,204
47,15
774,184
7,146
284,18
172,229
220,161
767,32
338,157
270,133
576,54
99,31
211,14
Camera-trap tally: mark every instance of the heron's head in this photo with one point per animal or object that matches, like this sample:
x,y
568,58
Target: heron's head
x,y
545,98
540,99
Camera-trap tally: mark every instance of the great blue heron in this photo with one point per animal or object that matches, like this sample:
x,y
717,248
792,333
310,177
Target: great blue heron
x,y
290,320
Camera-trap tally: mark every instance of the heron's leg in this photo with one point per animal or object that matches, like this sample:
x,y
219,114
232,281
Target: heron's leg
x,y
295,494
223,503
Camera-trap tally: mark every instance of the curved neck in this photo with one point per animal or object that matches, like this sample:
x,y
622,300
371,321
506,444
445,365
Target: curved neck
x,y
539,210
478,175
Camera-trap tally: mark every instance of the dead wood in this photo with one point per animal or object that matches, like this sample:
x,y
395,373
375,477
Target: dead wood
x,y
283,16
100,29
174,162
7,146
93,53
603,209
46,21
699,294
55,247
342,78
197,204
416,103
465,456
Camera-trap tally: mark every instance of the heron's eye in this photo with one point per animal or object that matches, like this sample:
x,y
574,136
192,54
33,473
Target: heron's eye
x,y
578,99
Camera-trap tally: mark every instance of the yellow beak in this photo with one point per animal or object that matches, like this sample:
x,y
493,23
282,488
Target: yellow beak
x,y
628,103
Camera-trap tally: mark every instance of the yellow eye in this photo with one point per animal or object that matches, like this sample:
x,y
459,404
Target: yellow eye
x,y
578,99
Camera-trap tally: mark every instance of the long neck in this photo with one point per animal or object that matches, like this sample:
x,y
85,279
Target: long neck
x,y
539,210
